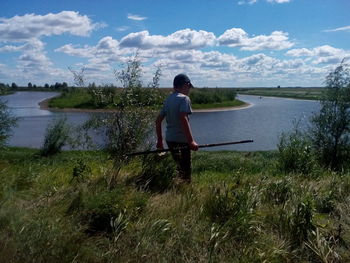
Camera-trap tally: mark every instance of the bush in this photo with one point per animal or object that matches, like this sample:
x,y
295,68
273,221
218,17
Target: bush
x,y
206,95
295,153
301,223
232,209
102,96
99,211
57,136
330,132
130,127
7,121
278,192
157,173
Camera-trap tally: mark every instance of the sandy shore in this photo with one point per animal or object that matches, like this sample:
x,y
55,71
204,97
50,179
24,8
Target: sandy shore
x,y
241,107
44,105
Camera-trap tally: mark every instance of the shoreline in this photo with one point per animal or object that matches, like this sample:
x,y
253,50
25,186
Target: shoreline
x,y
241,107
44,105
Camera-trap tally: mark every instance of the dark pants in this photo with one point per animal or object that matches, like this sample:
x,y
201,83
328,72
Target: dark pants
x,y
182,158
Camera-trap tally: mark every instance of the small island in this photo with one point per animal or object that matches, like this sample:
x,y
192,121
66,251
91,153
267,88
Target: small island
x,y
108,98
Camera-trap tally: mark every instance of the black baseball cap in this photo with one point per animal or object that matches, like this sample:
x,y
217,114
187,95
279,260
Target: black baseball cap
x,y
181,79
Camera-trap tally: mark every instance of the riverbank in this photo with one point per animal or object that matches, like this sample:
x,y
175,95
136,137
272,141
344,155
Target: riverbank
x,y
291,93
239,206
44,105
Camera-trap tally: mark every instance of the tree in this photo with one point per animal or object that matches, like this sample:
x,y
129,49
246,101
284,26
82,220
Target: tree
x,y
331,126
30,85
7,121
14,86
129,128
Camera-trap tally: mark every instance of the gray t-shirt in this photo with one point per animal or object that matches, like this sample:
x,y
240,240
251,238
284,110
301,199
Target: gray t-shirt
x,y
175,104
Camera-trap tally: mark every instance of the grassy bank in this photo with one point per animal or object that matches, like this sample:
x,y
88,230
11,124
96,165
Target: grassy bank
x,y
294,93
201,99
79,99
225,104
239,208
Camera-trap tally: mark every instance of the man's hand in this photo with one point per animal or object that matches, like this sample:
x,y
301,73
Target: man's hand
x,y
193,146
160,145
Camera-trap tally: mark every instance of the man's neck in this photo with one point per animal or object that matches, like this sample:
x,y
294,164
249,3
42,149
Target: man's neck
x,y
180,91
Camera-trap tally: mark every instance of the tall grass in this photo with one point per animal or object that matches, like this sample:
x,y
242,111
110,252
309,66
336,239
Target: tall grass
x,y
241,208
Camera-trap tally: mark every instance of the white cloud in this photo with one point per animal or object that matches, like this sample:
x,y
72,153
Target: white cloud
x,y
33,44
300,52
76,51
321,55
182,39
31,26
237,37
345,28
321,51
278,1
122,28
136,17
250,2
33,54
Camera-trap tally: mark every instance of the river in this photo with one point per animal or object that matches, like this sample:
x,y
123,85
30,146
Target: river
x,y
263,121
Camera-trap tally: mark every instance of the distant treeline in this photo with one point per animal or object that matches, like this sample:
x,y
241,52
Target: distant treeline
x,y
7,88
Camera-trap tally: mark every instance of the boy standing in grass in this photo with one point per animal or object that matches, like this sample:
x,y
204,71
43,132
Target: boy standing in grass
x,y
176,109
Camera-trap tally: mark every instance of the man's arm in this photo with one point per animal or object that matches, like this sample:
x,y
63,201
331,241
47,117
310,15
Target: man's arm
x,y
187,130
159,120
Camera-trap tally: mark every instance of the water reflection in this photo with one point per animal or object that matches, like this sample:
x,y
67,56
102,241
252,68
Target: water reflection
x,y
26,104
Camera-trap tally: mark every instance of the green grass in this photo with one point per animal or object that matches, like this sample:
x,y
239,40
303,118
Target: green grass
x,y
295,93
239,208
225,104
80,99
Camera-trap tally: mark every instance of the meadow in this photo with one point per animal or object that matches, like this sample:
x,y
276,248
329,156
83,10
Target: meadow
x,y
240,207
289,205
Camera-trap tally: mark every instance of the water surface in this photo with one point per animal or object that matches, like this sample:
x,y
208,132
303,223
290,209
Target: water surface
x,y
263,122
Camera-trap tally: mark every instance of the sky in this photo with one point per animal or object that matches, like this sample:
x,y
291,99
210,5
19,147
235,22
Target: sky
x,y
217,43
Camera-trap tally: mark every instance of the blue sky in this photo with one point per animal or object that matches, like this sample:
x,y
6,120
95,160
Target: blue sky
x,y
218,43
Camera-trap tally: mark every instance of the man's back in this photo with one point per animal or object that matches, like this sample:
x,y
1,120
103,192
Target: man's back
x,y
175,104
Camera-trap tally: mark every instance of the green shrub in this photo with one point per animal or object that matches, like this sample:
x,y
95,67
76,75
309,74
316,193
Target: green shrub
x,y
7,121
80,170
207,96
295,153
102,96
232,209
278,192
301,223
330,131
57,136
329,195
157,173
99,211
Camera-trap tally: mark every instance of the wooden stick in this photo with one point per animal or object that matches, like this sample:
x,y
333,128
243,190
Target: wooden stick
x,y
184,147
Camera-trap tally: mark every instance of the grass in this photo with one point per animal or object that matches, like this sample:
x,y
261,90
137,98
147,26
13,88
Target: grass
x,y
239,208
294,93
225,104
81,99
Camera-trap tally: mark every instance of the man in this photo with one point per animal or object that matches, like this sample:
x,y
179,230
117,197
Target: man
x,y
176,109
